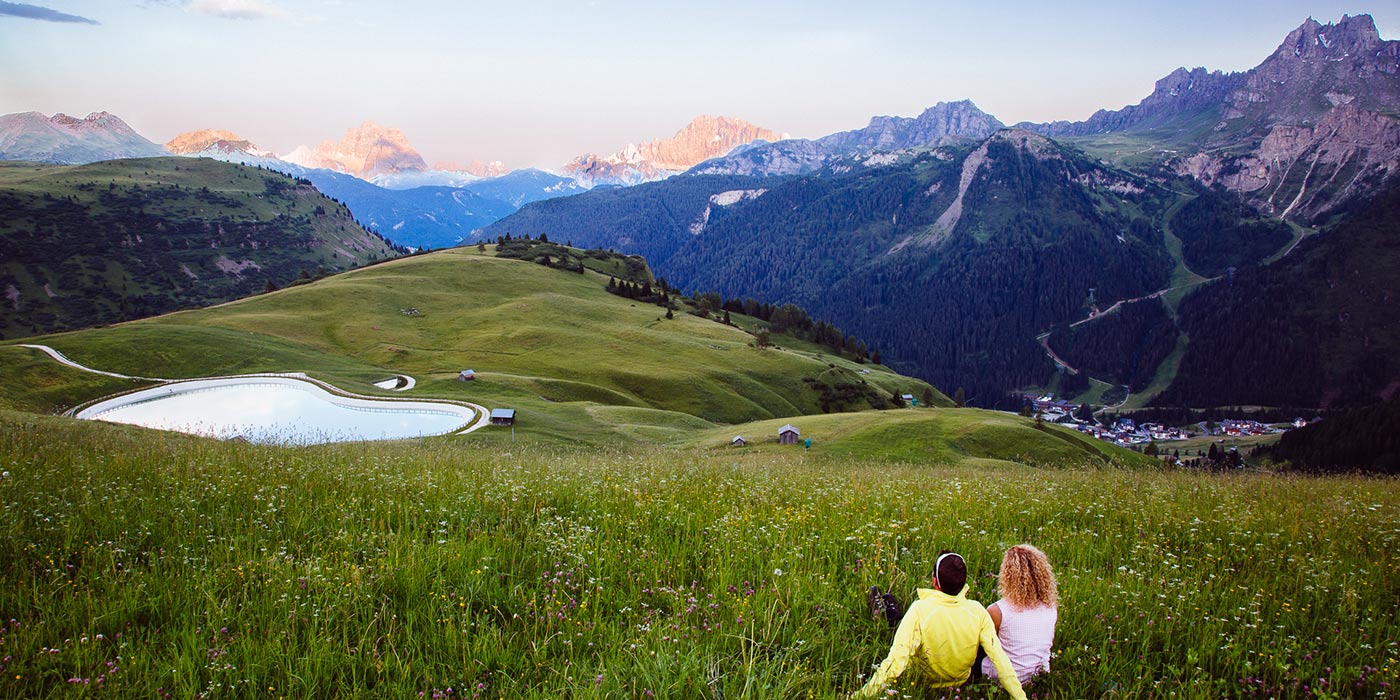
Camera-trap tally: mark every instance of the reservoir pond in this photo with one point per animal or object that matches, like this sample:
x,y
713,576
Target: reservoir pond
x,y
277,410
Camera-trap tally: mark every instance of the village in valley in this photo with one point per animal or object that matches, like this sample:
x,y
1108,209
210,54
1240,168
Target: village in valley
x,y
1127,432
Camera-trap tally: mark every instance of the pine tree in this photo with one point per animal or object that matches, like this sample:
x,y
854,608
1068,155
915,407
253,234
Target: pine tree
x,y
927,397
960,399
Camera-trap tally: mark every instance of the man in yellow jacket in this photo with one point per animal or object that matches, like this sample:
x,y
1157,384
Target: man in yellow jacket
x,y
940,635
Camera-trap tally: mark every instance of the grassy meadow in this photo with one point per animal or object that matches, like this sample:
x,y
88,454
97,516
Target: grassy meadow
x,y
614,545
144,564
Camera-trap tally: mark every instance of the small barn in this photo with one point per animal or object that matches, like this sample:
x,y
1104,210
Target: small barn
x,y
909,399
466,375
502,416
738,441
788,435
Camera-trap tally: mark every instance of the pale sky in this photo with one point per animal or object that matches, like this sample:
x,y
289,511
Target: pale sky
x,y
535,83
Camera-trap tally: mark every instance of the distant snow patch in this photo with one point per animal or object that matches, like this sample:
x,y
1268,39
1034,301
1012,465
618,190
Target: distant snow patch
x,y
725,199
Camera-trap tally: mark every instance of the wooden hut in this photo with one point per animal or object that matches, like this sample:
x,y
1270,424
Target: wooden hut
x,y
502,416
788,435
738,441
466,375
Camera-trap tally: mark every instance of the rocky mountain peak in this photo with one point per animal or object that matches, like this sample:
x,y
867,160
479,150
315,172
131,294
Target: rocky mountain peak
x,y
203,139
706,136
1349,37
365,151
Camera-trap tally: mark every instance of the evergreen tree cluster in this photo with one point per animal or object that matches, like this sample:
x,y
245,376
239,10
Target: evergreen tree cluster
x,y
1364,439
1319,328
1219,230
1124,347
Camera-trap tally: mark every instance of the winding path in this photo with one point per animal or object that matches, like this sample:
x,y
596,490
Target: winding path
x,y
483,415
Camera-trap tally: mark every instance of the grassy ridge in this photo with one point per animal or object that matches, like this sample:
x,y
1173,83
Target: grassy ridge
x,y
136,564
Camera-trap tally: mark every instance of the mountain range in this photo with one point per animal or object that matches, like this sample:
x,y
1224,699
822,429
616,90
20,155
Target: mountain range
x,y
967,251
703,138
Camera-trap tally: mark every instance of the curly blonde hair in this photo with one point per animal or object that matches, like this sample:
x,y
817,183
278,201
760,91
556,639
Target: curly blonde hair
x,y
1026,580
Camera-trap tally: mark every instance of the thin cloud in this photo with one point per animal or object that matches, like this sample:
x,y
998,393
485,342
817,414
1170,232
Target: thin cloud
x,y
237,9
19,9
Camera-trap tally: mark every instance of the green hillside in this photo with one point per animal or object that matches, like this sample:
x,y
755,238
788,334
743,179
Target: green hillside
x,y
117,240
580,365
552,343
920,436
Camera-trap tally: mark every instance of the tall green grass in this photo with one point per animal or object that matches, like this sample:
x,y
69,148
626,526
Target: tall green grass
x,y
144,564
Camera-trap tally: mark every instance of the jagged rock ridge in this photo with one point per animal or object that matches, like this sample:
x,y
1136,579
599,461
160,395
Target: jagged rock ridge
x,y
941,124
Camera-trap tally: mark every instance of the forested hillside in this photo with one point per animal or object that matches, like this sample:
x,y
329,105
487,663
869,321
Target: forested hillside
x,y
1320,327
950,263
652,220
93,244
1124,347
1364,439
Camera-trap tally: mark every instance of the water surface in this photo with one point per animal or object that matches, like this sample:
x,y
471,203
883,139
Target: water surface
x,y
277,410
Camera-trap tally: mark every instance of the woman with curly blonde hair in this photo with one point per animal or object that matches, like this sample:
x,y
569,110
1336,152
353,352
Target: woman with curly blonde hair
x,y
1026,614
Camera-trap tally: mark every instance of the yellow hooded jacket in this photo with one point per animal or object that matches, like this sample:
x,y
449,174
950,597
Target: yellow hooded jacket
x,y
940,634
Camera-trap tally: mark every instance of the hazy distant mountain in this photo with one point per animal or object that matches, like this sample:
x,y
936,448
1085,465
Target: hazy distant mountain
x,y
365,151
69,140
703,138
520,187
1308,131
214,141
943,123
478,168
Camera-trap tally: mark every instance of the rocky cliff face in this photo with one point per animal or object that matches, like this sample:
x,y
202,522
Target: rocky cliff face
x,y
703,138
1316,123
69,140
1309,172
1308,131
365,151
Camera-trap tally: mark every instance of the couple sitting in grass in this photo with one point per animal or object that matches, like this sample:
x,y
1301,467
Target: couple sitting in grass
x,y
951,639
